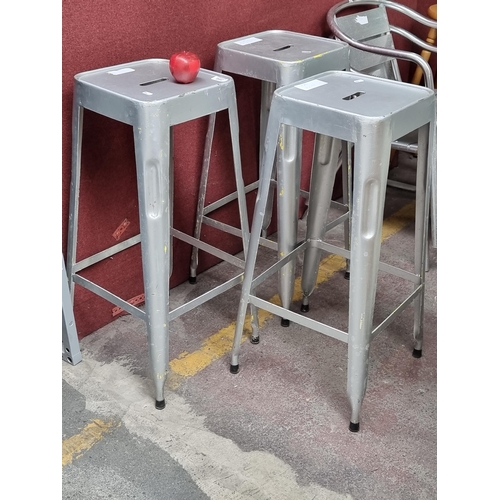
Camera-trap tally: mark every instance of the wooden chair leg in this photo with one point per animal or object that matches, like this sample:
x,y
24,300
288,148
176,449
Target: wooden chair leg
x,y
431,39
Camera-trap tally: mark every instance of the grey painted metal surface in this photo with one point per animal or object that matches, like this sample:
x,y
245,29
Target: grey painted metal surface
x,y
144,95
322,181
70,345
276,58
370,113
370,32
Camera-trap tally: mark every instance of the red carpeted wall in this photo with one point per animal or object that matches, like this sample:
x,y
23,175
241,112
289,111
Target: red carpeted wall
x,y
102,33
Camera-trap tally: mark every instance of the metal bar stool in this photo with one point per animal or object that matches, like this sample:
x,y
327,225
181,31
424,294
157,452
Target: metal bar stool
x,y
368,112
145,95
276,58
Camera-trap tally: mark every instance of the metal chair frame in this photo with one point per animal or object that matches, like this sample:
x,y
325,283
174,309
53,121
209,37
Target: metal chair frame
x,y
369,34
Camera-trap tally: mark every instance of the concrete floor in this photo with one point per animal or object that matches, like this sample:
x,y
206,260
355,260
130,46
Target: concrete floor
x,y
279,428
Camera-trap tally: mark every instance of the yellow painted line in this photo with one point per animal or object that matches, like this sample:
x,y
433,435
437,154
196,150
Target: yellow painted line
x,y
92,433
398,221
215,346
220,343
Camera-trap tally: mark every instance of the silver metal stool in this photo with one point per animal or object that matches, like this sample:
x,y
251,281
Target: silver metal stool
x,y
144,94
276,58
370,113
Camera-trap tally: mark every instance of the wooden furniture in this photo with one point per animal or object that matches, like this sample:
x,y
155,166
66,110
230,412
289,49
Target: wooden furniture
x,y
431,39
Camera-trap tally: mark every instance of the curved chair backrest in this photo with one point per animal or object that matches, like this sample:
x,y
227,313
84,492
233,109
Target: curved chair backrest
x,y
369,33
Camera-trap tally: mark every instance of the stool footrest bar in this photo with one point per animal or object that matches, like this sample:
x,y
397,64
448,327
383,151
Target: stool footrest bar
x,y
298,318
331,249
188,306
264,242
228,198
208,248
222,226
336,222
400,273
94,259
110,297
402,306
236,232
387,268
401,185
277,265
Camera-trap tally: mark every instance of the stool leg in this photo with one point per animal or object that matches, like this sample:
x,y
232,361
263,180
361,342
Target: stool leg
x,y
433,174
202,196
347,197
423,188
70,345
289,156
273,129
238,174
76,162
202,191
240,187
267,90
152,161
371,165
324,169
171,196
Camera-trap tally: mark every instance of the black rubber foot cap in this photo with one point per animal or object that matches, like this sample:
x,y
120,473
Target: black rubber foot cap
x,y
234,368
353,427
254,340
304,308
417,353
347,275
160,405
192,280
285,322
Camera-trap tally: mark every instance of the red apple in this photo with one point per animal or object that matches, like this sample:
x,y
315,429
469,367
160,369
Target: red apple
x,y
184,66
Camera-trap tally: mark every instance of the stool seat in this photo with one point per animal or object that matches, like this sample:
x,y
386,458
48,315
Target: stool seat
x,y
370,113
280,56
125,91
144,95
276,58
355,101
